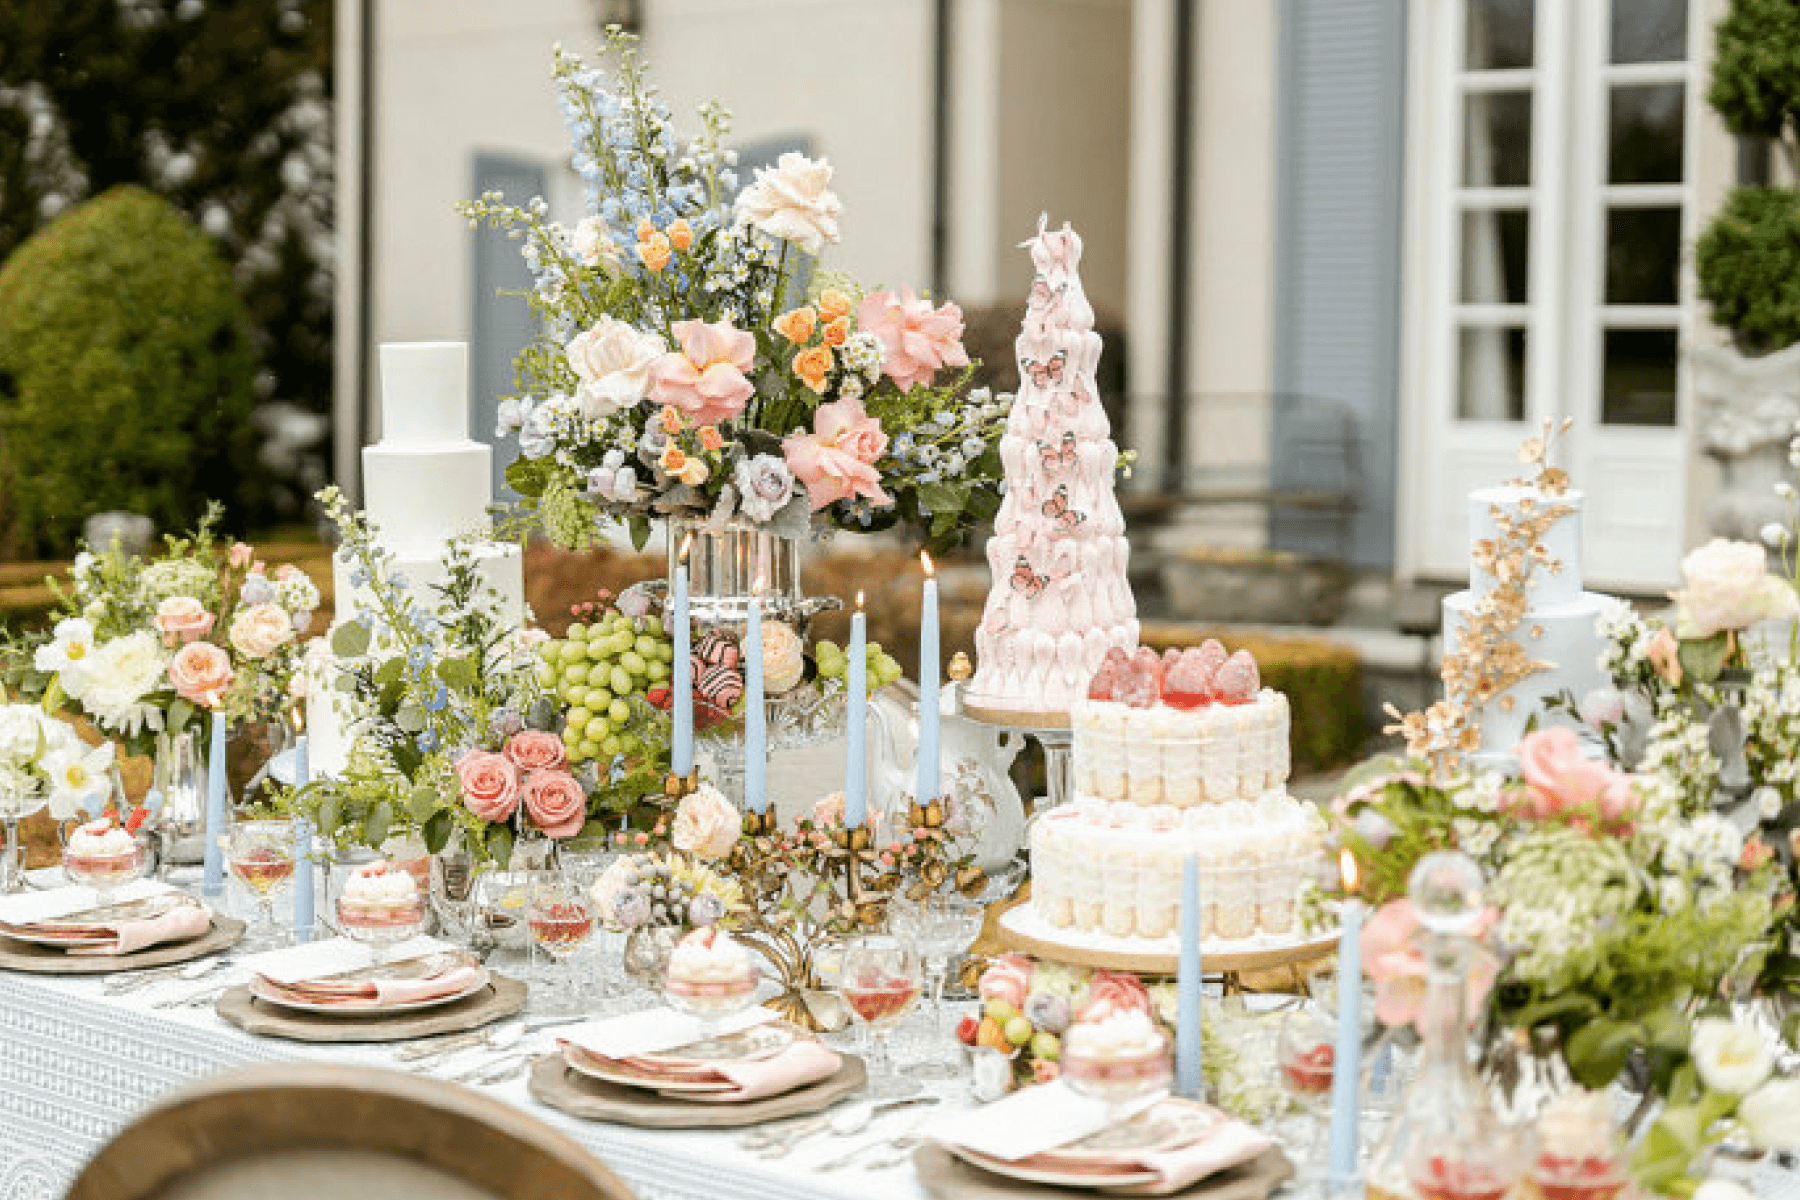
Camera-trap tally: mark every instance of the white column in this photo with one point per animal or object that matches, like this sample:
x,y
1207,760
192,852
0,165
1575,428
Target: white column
x,y
975,238
1150,225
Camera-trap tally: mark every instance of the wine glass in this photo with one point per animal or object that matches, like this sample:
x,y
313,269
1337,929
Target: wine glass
x,y
941,926
880,981
1306,1054
14,807
561,916
261,856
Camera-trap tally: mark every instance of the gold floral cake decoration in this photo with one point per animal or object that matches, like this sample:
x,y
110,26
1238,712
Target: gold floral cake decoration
x,y
1489,656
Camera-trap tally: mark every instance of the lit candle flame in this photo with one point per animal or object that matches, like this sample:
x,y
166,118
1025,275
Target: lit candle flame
x,y
687,543
756,588
930,569
1347,869
859,601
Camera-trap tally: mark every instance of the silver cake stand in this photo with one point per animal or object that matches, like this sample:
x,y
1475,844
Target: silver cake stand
x,y
1050,729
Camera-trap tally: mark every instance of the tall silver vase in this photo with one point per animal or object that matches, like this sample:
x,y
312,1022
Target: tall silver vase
x,y
725,563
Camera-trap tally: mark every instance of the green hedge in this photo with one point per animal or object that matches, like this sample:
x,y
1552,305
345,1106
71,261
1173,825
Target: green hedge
x,y
126,374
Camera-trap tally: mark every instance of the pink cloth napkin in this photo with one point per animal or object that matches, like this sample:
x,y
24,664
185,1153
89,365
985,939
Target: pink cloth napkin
x,y
373,993
1226,1145
805,1061
177,925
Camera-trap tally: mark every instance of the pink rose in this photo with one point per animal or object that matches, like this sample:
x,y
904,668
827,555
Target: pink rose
x,y
1562,781
1392,958
490,784
182,619
240,554
705,378
1111,992
261,629
828,811
201,673
536,750
706,823
848,426
555,802
1043,1070
916,339
837,459
1007,979
1665,656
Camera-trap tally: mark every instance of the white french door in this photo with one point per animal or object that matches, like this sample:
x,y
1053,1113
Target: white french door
x,y
1549,155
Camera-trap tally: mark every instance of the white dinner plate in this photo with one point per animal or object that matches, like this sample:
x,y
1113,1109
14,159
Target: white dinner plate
x,y
628,1076
1070,1175
360,1008
137,910
747,1045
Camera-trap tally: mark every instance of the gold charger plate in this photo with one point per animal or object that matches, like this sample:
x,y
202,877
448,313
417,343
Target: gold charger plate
x,y
501,998
947,1177
563,1088
46,960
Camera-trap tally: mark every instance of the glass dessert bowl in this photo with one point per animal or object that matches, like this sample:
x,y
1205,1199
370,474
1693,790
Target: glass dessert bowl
x,y
104,855
380,906
1118,1058
710,975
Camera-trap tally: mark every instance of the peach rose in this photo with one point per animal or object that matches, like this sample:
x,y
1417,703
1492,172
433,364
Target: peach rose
x,y
1393,959
537,750
1114,992
673,459
916,339
681,234
848,426
555,802
695,472
1007,980
828,811
711,440
654,251
1665,656
812,365
705,377
672,423
490,784
646,229
240,554
837,459
837,332
261,630
1562,781
797,324
201,673
706,823
182,619
833,304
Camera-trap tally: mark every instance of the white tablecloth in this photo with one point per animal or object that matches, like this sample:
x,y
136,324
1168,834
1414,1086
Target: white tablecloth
x,y
76,1066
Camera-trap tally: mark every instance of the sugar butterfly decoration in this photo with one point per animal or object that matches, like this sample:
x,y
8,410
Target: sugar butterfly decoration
x,y
1027,582
1058,510
1047,372
1056,456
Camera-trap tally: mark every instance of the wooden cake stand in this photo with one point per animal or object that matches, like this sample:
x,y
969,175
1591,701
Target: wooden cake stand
x,y
1280,966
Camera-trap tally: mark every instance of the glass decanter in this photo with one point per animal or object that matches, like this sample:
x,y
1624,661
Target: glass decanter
x,y
1447,1142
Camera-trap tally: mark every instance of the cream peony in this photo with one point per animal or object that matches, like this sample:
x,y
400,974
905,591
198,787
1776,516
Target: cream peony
x,y
792,202
593,244
119,678
612,361
21,732
1727,586
1771,1115
1731,1057
261,630
706,823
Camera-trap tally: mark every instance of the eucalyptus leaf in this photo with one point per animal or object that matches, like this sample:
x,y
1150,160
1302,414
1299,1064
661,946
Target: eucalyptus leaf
x,y
500,845
1704,658
941,498
639,528
328,817
380,822
458,673
389,672
438,828
423,802
1599,1050
350,640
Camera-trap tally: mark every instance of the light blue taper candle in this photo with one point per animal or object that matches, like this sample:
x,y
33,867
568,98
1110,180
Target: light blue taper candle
x,y
1346,1063
926,785
681,749
303,837
1188,1079
856,723
756,717
213,879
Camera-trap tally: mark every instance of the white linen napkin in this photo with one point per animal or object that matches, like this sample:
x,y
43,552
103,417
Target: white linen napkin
x,y
27,907
1030,1121
656,1029
296,964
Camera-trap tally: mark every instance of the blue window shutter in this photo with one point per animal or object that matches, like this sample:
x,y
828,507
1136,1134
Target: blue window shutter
x,y
500,325
1337,290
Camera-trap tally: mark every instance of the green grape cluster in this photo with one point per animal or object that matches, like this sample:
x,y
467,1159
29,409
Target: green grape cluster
x,y
596,670
835,664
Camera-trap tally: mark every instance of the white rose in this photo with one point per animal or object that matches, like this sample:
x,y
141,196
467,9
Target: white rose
x,y
1723,1189
1727,586
593,243
706,823
1731,1057
1602,706
613,362
21,728
792,202
1771,1115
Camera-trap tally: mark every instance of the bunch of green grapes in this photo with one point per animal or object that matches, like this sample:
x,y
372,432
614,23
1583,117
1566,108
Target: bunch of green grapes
x,y
595,670
835,664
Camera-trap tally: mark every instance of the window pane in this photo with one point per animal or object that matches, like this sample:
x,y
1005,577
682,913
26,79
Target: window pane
x,y
1644,134
1498,34
1490,374
1496,245
1649,31
1638,385
1497,139
1643,255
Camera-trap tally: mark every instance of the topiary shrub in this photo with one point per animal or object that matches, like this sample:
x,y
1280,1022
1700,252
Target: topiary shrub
x,y
1756,67
125,374
1748,266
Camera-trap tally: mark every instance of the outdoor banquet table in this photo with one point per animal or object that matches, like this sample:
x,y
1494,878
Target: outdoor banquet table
x,y
76,1066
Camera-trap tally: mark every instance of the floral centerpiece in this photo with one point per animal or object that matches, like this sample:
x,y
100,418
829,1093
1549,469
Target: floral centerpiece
x,y
139,646
694,365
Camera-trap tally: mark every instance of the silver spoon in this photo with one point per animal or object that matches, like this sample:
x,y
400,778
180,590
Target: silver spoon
x,y
843,1122
183,973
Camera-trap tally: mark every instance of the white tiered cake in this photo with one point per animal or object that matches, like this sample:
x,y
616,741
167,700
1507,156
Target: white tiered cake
x,y
424,483
1557,628
1059,599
